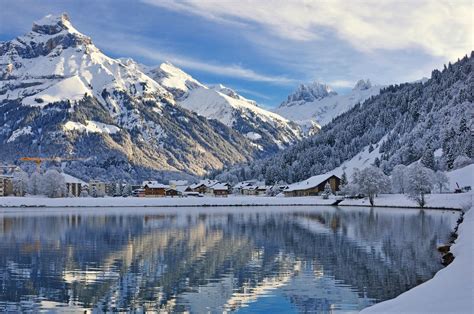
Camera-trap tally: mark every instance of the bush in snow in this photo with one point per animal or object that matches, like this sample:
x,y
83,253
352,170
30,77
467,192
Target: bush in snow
x,y
54,184
399,179
461,161
420,183
441,181
370,181
20,183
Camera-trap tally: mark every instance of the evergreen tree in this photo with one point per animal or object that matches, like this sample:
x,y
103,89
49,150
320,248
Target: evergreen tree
x,y
427,159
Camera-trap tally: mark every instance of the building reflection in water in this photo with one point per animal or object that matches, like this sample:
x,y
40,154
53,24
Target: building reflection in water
x,y
322,259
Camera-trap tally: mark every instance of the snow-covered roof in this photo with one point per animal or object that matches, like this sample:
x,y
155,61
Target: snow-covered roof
x,y
220,186
154,185
70,179
309,183
207,183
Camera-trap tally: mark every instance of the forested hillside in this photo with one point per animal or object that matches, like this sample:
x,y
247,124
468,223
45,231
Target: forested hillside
x,y
409,120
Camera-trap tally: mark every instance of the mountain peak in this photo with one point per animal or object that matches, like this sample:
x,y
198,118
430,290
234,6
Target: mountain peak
x,y
362,85
309,93
53,24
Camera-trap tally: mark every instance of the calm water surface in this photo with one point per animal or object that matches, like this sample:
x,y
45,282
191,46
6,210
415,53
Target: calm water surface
x,y
247,260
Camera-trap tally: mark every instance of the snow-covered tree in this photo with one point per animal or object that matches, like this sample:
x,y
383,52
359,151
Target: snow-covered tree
x,y
35,184
399,179
420,183
371,181
427,159
84,191
20,183
54,184
344,180
441,181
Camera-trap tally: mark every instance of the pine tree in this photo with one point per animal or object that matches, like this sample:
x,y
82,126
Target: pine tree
x,y
427,159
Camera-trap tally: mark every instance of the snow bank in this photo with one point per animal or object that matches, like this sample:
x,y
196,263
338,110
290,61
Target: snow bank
x,y
450,291
451,200
463,176
447,201
161,201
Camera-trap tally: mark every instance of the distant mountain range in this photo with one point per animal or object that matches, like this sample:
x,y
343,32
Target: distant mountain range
x,y
316,104
61,96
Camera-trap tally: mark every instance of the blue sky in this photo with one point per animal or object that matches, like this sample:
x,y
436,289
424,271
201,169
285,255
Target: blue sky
x,y
264,49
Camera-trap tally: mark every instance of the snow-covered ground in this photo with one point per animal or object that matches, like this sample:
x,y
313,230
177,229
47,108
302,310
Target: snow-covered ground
x,y
451,200
458,201
450,291
161,201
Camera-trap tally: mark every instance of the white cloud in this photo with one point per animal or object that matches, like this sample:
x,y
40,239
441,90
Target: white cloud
x,y
439,27
235,71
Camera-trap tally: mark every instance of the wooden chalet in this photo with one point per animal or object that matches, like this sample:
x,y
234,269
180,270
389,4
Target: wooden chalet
x,y
313,186
154,189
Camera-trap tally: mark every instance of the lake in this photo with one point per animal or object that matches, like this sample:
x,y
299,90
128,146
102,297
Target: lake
x,y
247,260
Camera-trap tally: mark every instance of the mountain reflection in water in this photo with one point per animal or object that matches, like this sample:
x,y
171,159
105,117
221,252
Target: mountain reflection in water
x,y
197,260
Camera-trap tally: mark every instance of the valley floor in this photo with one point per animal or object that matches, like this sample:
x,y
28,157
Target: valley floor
x,y
452,288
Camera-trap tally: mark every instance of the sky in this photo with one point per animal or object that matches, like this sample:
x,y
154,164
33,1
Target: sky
x,y
264,49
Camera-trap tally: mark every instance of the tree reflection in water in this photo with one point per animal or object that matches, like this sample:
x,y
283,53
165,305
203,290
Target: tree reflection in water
x,y
317,259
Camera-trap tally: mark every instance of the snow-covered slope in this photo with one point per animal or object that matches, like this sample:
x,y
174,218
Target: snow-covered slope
x,y
60,95
269,131
316,104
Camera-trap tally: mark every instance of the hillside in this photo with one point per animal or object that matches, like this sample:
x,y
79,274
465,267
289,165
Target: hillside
x,y
406,121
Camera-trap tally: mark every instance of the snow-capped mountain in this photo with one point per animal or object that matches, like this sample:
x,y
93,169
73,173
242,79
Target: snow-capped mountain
x,y
316,104
60,95
267,130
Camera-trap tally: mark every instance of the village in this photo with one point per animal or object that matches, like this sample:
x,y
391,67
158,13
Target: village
x,y
66,185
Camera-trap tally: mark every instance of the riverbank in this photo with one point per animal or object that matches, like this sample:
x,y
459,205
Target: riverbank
x,y
452,288
434,201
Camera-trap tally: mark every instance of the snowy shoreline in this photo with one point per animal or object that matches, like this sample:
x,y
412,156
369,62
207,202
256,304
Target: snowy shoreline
x,y
442,201
450,290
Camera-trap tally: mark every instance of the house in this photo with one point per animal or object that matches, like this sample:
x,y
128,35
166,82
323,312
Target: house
x,y
172,192
262,189
313,186
220,189
239,187
96,188
73,185
202,186
154,189
6,185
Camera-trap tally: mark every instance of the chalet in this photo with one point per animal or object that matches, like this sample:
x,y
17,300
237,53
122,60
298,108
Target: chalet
x,y
172,192
220,189
154,189
241,186
313,186
262,189
202,186
6,185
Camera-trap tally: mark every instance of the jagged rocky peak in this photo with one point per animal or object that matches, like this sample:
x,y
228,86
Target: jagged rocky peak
x,y
362,85
52,24
310,92
50,33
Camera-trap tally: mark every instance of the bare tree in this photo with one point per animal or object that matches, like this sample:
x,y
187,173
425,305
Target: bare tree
x,y
371,181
